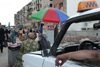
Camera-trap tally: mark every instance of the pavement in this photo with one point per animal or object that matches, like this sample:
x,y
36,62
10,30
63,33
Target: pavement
x,y
4,55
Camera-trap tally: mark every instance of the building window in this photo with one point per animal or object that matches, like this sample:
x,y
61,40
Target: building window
x,y
83,28
34,8
61,6
40,5
31,4
50,5
34,3
51,0
55,6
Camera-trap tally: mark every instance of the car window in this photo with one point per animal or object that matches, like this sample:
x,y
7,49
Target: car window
x,y
78,32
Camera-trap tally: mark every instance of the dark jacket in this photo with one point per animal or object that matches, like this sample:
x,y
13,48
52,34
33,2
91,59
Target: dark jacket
x,y
44,44
2,37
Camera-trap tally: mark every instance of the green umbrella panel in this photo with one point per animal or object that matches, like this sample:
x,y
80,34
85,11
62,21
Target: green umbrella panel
x,y
39,15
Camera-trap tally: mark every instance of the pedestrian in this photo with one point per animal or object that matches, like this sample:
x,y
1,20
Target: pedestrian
x,y
13,35
27,33
30,29
20,33
6,33
28,46
23,33
35,34
37,31
2,37
9,31
43,42
41,28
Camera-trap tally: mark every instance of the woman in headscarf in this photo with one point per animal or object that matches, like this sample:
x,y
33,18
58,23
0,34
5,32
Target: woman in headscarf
x,y
13,35
29,45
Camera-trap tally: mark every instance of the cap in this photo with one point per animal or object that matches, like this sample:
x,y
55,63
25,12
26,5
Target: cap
x,y
31,35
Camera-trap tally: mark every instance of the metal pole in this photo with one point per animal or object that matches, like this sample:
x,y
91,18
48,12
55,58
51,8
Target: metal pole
x,y
55,31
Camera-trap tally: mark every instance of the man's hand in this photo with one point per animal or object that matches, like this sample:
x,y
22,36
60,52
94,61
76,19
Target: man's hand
x,y
78,55
63,59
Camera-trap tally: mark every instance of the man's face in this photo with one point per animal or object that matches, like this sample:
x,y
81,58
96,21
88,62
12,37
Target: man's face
x,y
8,29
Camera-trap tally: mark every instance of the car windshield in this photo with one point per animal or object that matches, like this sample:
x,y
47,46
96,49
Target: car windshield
x,y
78,32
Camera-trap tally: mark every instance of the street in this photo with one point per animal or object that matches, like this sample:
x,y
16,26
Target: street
x,y
4,55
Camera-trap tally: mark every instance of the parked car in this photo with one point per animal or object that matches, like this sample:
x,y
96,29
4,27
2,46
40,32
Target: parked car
x,y
68,42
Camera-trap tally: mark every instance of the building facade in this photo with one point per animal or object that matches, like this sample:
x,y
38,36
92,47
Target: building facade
x,y
22,16
59,4
70,7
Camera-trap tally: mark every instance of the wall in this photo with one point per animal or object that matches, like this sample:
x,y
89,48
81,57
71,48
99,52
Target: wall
x,y
84,33
56,2
45,3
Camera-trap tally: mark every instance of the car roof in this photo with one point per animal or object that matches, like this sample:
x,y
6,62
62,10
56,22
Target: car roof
x,y
85,13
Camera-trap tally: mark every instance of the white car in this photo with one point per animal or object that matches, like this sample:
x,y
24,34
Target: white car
x,y
46,58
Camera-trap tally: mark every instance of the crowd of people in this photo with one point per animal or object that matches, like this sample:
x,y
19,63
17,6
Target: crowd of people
x,y
10,34
4,36
7,35
32,40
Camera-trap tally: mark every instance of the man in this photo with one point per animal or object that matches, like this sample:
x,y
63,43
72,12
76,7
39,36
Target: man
x,y
36,30
28,46
2,37
28,32
43,42
41,28
30,29
78,55
6,33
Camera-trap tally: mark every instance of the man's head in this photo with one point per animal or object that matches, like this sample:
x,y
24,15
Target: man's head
x,y
42,24
35,27
4,28
42,36
30,28
14,27
31,36
8,28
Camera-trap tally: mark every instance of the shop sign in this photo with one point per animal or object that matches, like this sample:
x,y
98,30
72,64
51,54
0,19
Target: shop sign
x,y
50,27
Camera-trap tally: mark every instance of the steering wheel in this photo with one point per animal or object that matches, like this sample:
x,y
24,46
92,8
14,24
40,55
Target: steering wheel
x,y
87,45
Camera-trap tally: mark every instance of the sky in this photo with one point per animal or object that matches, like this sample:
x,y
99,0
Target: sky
x,y
10,7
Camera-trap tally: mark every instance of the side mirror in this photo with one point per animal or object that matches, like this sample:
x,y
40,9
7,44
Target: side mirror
x,y
45,52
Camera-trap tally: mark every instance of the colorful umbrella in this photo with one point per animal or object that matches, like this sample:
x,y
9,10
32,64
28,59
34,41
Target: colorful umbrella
x,y
50,15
